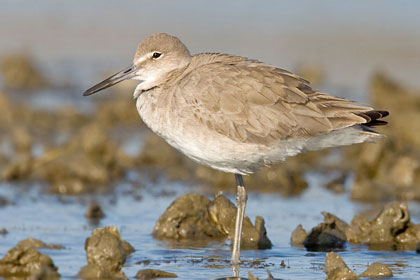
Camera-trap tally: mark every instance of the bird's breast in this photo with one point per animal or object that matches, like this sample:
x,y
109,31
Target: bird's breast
x,y
195,140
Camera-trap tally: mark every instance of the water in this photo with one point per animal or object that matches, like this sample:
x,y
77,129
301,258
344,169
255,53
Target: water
x,y
349,41
60,219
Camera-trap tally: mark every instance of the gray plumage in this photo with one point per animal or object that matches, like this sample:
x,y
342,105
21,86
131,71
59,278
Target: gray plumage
x,y
236,114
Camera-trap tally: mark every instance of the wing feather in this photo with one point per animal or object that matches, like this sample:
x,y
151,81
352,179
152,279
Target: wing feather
x,y
249,101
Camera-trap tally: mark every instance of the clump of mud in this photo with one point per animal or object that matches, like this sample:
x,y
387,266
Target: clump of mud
x,y
391,168
94,212
329,235
390,229
20,72
24,261
36,243
76,153
146,274
193,217
106,253
336,269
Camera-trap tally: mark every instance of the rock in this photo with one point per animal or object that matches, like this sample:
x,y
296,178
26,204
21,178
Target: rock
x,y
336,268
3,231
18,168
146,274
187,218
69,186
45,273
84,163
106,253
376,270
22,140
193,217
223,213
94,272
94,212
328,235
391,221
4,201
336,223
298,235
411,234
391,168
71,164
336,185
251,276
19,72
404,171
36,243
23,261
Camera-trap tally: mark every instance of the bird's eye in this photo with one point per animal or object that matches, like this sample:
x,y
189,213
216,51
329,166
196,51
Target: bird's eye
x,y
156,54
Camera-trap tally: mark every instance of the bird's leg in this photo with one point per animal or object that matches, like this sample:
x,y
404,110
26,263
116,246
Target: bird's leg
x,y
241,198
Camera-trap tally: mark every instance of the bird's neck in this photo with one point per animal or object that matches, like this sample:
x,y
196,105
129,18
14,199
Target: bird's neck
x,y
166,79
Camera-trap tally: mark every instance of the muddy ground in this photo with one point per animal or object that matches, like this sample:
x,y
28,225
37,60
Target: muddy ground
x,y
88,155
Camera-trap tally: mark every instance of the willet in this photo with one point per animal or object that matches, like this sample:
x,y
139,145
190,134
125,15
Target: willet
x,y
236,114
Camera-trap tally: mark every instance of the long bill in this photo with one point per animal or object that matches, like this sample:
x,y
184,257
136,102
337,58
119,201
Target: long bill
x,y
122,75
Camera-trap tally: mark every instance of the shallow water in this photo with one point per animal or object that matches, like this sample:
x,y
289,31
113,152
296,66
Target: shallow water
x,y
134,210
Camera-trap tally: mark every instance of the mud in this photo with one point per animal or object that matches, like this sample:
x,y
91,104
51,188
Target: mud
x,y
376,270
195,217
187,218
327,236
390,229
336,268
94,212
223,213
86,159
24,261
336,184
146,274
299,235
19,72
391,226
106,253
391,168
36,243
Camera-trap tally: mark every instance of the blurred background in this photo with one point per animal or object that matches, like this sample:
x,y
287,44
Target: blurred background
x,y
62,154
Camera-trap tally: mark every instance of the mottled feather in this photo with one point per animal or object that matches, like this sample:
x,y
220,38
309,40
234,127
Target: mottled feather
x,y
252,102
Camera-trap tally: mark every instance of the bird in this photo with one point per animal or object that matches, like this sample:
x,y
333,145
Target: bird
x,y
236,114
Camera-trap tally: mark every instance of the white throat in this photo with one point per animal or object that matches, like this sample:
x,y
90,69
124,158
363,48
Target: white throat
x,y
146,82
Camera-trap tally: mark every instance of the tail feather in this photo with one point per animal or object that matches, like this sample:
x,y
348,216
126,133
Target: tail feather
x,y
373,118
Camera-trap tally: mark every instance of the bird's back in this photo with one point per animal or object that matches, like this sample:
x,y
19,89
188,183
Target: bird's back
x,y
252,102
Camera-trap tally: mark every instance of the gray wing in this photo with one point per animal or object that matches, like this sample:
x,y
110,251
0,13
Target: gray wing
x,y
252,102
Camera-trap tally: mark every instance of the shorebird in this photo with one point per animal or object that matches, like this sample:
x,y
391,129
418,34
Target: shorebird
x,y
236,114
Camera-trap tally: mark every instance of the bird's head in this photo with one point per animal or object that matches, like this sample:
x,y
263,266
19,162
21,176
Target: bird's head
x,y
155,57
